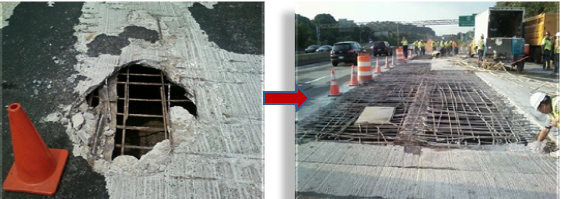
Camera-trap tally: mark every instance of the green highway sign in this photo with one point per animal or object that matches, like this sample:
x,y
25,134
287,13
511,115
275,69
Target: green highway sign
x,y
467,21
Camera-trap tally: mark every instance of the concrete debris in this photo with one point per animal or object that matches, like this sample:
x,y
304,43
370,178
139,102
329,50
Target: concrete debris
x,y
150,162
56,60
109,133
159,155
77,121
84,107
49,86
122,163
51,3
89,116
35,92
53,117
183,124
537,147
84,136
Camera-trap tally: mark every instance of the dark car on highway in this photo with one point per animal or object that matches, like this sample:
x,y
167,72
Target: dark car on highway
x,y
324,48
346,52
311,49
382,48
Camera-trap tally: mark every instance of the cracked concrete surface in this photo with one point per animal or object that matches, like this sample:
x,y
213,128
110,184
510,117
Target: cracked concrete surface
x,y
217,154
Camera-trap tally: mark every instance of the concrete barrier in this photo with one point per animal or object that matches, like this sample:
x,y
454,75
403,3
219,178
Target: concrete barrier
x,y
310,58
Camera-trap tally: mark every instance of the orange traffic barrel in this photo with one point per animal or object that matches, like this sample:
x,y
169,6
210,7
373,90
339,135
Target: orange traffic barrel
x,y
400,56
364,68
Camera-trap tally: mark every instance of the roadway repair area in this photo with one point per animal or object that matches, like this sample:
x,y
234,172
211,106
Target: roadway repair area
x,y
454,132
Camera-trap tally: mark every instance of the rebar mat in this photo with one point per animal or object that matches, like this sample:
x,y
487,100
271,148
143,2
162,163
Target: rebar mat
x,y
433,108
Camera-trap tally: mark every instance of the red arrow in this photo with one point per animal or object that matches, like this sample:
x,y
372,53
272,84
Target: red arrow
x,y
297,98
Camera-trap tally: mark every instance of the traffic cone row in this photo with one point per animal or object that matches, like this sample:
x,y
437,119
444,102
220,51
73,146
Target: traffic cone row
x,y
334,86
37,169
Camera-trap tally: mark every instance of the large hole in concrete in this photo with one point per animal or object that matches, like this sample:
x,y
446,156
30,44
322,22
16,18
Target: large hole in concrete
x,y
140,99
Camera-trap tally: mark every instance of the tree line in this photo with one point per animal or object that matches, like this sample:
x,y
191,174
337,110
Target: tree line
x,y
332,31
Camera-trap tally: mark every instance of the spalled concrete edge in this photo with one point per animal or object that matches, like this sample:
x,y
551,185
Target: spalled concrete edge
x,y
519,109
7,9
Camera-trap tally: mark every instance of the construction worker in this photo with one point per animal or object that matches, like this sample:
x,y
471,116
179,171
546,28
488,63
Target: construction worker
x,y
546,46
556,54
405,46
422,45
418,47
481,48
455,47
415,44
549,106
442,47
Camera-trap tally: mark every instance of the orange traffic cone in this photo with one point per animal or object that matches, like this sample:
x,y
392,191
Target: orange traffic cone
x,y
354,80
378,69
333,87
37,169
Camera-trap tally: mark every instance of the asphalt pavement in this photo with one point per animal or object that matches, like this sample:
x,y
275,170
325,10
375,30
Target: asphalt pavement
x,y
314,80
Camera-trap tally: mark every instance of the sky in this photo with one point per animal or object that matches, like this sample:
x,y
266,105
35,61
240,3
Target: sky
x,y
365,11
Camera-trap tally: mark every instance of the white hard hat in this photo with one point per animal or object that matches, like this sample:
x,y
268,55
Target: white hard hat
x,y
557,34
537,99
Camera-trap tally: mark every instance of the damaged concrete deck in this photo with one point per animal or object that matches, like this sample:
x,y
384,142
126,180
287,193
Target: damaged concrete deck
x,y
217,154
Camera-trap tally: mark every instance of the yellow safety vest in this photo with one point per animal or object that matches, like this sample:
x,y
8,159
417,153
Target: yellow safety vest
x,y
404,43
481,45
546,43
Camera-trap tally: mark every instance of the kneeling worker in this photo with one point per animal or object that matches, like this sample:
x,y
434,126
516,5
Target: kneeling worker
x,y
549,106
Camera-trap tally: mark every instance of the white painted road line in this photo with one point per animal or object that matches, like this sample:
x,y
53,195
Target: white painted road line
x,y
315,80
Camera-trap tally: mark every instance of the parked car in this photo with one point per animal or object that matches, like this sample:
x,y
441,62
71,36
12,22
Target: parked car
x,y
324,48
311,49
346,52
382,47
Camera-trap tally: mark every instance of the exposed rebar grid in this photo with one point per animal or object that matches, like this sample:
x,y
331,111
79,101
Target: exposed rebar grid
x,y
435,108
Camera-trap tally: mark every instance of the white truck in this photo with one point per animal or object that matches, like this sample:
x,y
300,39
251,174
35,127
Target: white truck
x,y
502,29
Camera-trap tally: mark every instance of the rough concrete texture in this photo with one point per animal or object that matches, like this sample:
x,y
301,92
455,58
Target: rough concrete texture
x,y
443,64
519,95
217,154
7,9
340,169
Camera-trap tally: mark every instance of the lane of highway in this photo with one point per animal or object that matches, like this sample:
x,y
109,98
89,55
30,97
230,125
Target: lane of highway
x,y
314,79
